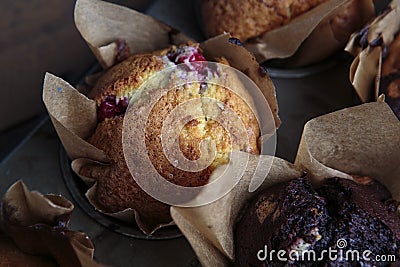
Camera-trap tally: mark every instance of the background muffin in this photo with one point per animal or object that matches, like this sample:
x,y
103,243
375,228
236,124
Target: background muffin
x,y
314,35
251,18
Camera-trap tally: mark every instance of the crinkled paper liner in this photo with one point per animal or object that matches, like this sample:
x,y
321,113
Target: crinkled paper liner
x,y
361,140
101,24
308,38
365,71
38,225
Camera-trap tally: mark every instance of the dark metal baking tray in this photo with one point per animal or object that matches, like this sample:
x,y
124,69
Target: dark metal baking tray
x,y
78,188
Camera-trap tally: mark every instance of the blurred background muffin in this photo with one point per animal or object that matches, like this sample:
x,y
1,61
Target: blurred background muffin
x,y
328,28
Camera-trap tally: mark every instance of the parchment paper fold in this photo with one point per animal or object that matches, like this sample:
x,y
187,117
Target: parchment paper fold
x,y
362,140
367,47
38,225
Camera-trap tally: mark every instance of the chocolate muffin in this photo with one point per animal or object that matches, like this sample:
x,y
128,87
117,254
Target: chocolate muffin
x,y
116,188
365,216
288,216
251,18
341,215
390,76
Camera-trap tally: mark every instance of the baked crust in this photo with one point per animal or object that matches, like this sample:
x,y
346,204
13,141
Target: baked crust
x,y
124,78
250,18
116,188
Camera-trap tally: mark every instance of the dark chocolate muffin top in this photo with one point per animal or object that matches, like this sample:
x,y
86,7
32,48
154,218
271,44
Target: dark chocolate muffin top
x,y
295,224
288,216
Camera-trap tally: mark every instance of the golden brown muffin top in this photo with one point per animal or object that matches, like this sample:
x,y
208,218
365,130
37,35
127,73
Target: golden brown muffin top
x,y
250,18
192,133
125,77
202,128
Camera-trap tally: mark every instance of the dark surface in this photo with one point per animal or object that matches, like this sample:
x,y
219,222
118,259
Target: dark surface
x,y
33,35
37,161
347,216
39,36
15,136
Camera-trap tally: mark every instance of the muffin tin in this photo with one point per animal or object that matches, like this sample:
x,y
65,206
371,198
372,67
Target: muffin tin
x,y
302,94
77,188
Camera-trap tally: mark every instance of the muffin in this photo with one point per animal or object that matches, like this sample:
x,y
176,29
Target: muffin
x,y
289,216
116,188
295,216
390,76
249,20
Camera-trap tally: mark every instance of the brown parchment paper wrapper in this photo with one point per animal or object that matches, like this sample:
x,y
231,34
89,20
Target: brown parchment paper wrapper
x,y
362,140
101,24
38,225
365,71
209,228
309,37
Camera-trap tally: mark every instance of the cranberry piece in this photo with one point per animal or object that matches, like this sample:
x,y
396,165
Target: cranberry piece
x,y
182,55
196,56
186,55
109,107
